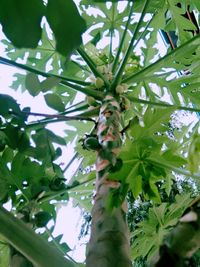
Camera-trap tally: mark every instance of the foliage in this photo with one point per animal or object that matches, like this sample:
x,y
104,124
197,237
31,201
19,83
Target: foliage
x,y
150,233
119,57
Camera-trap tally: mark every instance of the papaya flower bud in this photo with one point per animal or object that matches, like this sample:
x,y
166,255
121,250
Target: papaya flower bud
x,y
99,83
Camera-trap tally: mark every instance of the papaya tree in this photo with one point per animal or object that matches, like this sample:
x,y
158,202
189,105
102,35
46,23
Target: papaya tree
x,y
118,96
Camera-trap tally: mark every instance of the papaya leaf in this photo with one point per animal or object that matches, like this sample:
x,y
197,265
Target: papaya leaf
x,y
12,134
194,154
179,23
26,16
155,120
8,154
54,101
7,104
82,194
5,253
49,83
32,84
136,185
151,231
61,15
55,138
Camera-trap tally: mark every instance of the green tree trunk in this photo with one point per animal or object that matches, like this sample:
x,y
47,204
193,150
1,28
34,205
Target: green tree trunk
x,y
109,241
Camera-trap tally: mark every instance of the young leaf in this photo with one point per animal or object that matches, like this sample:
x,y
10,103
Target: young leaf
x,y
32,84
55,102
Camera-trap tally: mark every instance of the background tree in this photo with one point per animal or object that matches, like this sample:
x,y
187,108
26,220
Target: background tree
x,y
123,135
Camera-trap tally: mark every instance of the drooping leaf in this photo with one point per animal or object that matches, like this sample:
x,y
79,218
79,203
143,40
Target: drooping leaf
x,y
55,138
42,218
24,142
16,165
25,17
49,83
5,173
67,25
8,103
8,154
12,134
32,84
54,101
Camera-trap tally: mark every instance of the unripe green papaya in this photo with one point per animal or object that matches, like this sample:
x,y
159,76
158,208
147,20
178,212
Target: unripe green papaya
x,y
57,184
91,143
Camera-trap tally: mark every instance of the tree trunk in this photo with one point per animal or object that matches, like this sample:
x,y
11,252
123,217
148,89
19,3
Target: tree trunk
x,y
109,241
